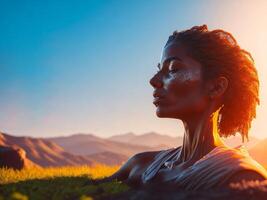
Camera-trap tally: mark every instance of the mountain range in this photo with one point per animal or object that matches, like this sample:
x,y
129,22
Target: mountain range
x,y
88,149
150,139
88,144
43,152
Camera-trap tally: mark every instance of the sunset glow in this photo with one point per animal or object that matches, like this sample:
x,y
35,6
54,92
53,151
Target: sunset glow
x,y
85,67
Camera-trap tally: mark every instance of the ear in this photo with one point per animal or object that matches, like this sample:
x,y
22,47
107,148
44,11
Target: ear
x,y
217,87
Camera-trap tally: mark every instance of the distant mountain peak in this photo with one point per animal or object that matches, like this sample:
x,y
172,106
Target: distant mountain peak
x,y
129,134
154,134
81,135
151,139
76,135
151,133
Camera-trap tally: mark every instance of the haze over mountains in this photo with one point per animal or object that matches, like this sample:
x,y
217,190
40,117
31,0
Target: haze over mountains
x,y
150,139
87,144
81,149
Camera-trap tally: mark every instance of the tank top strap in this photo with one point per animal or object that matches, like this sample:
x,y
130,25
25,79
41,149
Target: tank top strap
x,y
159,160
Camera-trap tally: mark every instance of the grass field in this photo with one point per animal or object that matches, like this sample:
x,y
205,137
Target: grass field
x,y
71,183
58,183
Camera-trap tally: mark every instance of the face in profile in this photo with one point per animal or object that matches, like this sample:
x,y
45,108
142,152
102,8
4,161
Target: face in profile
x,y
179,90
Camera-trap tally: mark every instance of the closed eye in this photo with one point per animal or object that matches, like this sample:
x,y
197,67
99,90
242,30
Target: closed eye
x,y
175,66
174,70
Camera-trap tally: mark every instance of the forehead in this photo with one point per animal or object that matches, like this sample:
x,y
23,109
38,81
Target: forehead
x,y
179,51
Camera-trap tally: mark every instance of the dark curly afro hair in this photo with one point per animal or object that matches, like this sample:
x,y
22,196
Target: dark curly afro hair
x,y
219,54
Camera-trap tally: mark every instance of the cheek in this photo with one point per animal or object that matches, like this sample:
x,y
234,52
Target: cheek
x,y
186,93
184,83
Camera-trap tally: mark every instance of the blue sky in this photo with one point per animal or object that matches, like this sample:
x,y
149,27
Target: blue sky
x,y
84,66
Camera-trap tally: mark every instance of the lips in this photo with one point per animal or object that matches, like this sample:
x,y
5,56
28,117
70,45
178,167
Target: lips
x,y
158,101
159,93
158,97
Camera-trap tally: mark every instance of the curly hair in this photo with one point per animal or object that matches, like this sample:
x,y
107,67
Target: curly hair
x,y
219,54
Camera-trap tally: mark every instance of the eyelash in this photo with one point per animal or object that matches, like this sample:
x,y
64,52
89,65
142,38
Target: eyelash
x,y
158,66
171,71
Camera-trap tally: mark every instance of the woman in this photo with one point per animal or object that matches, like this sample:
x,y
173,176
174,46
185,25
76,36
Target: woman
x,y
206,80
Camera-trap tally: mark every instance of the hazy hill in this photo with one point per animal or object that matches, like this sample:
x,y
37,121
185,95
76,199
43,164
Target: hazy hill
x,y
259,152
129,143
150,139
87,144
126,137
153,139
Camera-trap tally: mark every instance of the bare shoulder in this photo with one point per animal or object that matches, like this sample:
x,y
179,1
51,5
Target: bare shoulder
x,y
136,160
145,156
246,175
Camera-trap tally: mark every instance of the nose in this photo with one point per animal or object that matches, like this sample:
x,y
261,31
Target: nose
x,y
156,81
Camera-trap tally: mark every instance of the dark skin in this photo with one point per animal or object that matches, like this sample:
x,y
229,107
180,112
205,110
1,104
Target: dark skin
x,y
180,92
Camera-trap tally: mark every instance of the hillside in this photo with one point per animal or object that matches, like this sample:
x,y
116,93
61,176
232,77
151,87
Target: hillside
x,y
15,158
43,152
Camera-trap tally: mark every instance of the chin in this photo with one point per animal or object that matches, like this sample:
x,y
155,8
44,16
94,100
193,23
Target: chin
x,y
161,113
166,113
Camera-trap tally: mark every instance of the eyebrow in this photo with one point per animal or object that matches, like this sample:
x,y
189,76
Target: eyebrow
x,y
169,60
172,58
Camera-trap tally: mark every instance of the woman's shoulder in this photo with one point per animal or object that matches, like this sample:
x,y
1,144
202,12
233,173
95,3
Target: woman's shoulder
x,y
225,164
137,160
153,155
246,175
219,166
227,157
145,156
243,165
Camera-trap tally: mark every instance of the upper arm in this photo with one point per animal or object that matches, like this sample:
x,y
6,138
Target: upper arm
x,y
137,159
246,175
124,170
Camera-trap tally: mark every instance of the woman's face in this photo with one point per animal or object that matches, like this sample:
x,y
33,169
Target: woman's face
x,y
178,86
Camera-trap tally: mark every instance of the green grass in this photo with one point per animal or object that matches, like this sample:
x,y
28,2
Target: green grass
x,y
58,183
70,183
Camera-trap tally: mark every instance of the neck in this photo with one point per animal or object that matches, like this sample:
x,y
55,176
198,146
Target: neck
x,y
200,137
